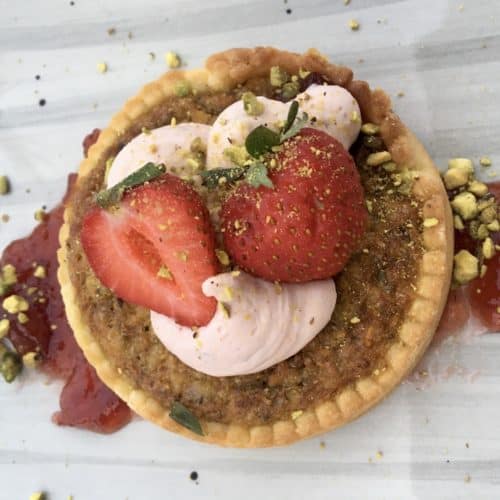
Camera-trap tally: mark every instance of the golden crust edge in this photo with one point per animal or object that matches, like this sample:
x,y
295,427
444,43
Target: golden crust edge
x,y
224,70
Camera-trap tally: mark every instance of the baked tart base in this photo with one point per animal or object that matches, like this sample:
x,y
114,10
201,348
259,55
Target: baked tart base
x,y
430,279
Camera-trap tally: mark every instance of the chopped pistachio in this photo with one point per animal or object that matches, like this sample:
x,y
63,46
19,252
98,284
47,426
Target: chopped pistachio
x,y
369,205
430,222
493,226
290,90
223,309
222,256
10,365
484,204
390,166
251,104
354,25
484,268
31,359
4,185
173,121
355,320
14,304
465,205
455,177
182,89
376,159
485,161
172,59
370,129
477,230
466,267
296,414
198,146
461,163
39,214
4,327
164,272
9,276
458,223
102,67
478,188
40,272
237,154
228,292
489,214
38,495
303,73
22,318
488,248
278,77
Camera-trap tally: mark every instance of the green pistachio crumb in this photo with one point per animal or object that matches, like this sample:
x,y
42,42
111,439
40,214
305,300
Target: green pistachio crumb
x,y
370,129
465,205
10,365
290,90
251,104
182,89
376,159
488,248
222,256
15,304
278,77
40,272
466,267
4,327
237,154
164,272
485,161
4,185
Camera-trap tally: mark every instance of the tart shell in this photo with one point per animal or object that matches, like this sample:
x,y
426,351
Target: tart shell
x,y
224,71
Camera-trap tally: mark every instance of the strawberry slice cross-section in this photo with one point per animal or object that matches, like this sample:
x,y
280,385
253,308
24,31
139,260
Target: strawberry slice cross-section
x,y
155,249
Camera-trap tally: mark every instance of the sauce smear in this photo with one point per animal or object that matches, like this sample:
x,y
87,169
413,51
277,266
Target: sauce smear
x,y
480,299
85,401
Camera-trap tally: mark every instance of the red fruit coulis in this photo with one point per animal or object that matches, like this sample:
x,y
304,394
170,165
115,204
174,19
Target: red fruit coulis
x,y
85,401
477,302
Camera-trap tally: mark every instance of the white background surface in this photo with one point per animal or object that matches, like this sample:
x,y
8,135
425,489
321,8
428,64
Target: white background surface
x,y
447,62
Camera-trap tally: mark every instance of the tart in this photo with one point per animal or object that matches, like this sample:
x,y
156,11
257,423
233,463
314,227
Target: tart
x,y
391,292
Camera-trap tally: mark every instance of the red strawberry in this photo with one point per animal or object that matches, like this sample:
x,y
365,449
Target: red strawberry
x,y
162,225
307,226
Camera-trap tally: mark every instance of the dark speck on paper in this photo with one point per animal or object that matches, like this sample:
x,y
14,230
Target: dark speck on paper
x,y
193,476
37,77
42,102
288,11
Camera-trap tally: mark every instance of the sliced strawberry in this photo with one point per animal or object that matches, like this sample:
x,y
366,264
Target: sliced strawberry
x,y
308,225
155,249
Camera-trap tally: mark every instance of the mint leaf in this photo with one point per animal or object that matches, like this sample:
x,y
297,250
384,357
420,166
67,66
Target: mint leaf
x,y
256,176
292,114
261,140
295,128
212,178
113,195
184,417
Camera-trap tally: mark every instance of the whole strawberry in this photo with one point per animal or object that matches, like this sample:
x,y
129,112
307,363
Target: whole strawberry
x,y
307,226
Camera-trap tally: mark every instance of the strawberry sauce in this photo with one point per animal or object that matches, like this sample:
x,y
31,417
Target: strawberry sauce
x,y
85,401
478,300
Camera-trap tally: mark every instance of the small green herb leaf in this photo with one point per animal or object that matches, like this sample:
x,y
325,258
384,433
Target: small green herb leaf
x,y
213,178
261,140
144,174
184,417
292,114
256,176
295,128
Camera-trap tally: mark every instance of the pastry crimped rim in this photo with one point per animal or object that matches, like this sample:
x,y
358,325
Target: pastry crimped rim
x,y
223,71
